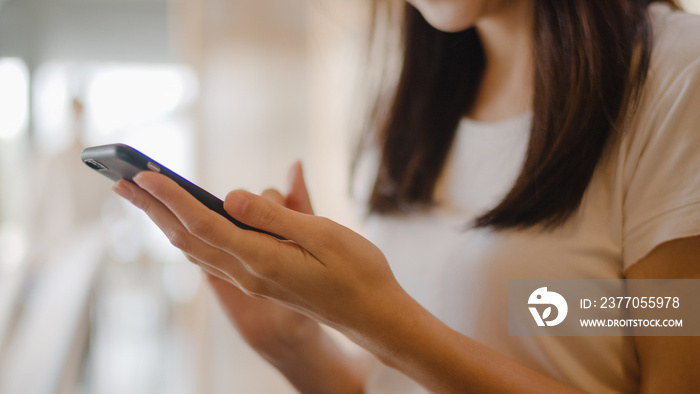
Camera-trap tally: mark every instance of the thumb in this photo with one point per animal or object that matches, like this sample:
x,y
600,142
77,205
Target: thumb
x,y
298,195
263,214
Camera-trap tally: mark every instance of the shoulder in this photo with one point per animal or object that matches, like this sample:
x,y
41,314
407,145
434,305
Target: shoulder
x,y
676,48
672,87
658,158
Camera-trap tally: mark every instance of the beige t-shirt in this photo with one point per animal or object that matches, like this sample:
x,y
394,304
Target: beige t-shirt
x,y
646,192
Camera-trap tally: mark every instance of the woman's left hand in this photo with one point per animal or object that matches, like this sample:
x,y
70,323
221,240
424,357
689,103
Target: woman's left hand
x,y
323,269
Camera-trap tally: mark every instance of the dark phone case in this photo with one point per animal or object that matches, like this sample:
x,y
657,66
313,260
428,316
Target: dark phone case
x,y
120,161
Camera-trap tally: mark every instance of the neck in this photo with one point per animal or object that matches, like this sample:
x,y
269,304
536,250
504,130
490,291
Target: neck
x,y
506,87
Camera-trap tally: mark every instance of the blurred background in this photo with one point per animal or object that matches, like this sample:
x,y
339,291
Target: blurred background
x,y
229,93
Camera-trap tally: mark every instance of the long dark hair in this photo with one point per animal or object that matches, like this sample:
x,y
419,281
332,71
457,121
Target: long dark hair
x,y
591,61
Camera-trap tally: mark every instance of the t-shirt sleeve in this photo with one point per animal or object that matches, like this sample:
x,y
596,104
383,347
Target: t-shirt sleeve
x,y
662,200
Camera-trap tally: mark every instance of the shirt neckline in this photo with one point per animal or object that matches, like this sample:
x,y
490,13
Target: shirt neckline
x,y
517,122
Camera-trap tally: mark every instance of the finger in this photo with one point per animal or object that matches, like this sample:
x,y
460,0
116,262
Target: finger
x,y
228,291
244,284
261,213
195,249
199,220
214,278
213,273
225,266
159,214
273,195
298,195
312,235
211,269
212,228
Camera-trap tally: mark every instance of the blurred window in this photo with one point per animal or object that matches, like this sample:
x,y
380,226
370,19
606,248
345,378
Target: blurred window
x,y
144,105
14,98
14,83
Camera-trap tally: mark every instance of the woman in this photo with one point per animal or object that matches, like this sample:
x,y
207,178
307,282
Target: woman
x,y
566,132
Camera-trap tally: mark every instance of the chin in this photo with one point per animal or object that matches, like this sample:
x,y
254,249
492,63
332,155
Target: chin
x,y
449,26
448,16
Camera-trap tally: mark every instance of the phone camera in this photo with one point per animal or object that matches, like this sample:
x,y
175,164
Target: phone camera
x,y
95,165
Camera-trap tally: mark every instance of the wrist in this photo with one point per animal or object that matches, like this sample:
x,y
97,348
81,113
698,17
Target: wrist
x,y
403,335
314,363
390,323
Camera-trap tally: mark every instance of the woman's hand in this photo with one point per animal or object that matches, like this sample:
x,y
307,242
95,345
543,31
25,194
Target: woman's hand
x,y
274,331
293,342
323,270
331,274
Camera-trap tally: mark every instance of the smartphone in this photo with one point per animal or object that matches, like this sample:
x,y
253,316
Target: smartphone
x,y
120,161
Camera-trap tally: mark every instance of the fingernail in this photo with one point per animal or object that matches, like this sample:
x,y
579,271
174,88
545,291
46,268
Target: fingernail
x,y
240,203
139,180
124,189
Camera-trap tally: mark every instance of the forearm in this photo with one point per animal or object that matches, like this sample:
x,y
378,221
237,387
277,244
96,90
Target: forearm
x,y
405,336
317,365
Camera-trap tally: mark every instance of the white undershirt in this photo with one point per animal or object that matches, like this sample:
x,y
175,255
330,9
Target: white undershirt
x,y
644,193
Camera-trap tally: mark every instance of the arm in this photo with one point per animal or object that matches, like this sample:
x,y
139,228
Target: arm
x,y
408,338
669,364
331,274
